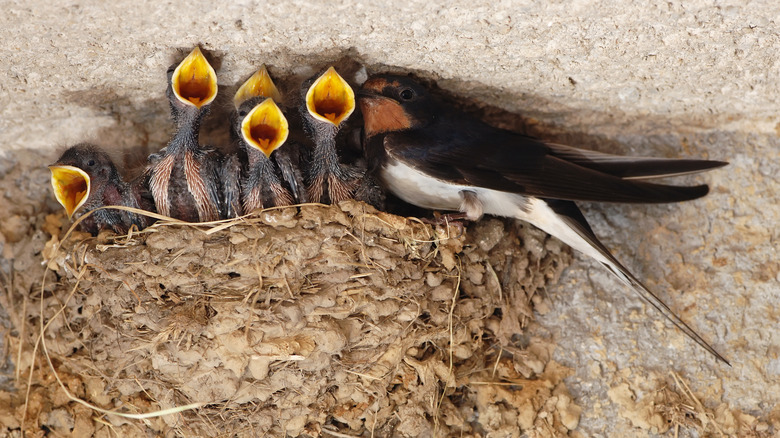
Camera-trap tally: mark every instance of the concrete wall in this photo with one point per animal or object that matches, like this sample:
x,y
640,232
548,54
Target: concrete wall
x,y
673,79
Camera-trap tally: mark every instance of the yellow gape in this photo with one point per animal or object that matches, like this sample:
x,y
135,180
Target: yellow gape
x,y
265,127
194,80
71,187
260,84
330,98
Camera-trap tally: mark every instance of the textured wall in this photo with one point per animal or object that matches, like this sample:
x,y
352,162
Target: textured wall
x,y
629,77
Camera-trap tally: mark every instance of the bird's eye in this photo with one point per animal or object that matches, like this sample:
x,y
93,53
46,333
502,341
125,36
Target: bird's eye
x,y
407,94
242,114
91,163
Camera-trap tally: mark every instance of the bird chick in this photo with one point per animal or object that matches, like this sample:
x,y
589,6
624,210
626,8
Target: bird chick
x,y
85,178
184,176
328,101
261,137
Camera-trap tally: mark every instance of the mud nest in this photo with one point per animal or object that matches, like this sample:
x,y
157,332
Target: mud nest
x,y
303,321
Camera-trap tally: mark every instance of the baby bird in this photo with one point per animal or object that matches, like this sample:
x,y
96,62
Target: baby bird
x,y
261,129
184,176
84,178
328,101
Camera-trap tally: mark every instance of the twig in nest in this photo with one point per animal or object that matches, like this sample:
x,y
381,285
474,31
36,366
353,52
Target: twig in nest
x,y
451,329
498,361
337,434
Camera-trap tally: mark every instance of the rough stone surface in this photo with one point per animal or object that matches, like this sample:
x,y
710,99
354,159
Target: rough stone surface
x,y
698,78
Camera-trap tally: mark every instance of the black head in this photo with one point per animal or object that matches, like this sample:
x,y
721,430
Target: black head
x,y
91,159
244,109
237,117
394,103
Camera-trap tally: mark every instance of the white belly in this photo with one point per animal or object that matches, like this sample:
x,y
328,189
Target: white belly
x,y
425,191
419,189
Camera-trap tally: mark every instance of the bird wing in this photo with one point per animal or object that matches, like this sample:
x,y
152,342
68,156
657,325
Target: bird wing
x,y
139,188
211,173
631,167
288,159
570,215
471,153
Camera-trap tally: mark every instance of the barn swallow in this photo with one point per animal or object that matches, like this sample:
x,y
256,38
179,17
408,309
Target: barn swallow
x,y
327,103
436,157
184,176
85,178
261,128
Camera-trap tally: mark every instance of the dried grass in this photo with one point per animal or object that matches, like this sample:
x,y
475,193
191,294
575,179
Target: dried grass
x,y
309,321
306,321
665,404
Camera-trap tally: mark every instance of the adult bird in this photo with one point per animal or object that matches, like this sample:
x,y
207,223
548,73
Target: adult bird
x,y
184,177
327,103
85,178
436,157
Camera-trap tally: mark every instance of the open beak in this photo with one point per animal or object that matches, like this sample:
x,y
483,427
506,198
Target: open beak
x,y
71,187
330,98
260,84
265,127
194,80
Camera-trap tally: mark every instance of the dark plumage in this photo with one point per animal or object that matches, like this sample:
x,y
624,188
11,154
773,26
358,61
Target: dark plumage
x,y
230,182
184,176
290,160
261,129
436,157
327,102
272,176
84,178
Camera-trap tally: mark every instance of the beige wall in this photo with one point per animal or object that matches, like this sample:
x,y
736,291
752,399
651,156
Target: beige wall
x,y
629,77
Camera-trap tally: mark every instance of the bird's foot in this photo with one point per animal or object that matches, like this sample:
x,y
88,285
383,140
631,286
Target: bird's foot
x,y
446,218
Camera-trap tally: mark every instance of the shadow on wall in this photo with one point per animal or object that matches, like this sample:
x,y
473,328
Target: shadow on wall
x,y
144,128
